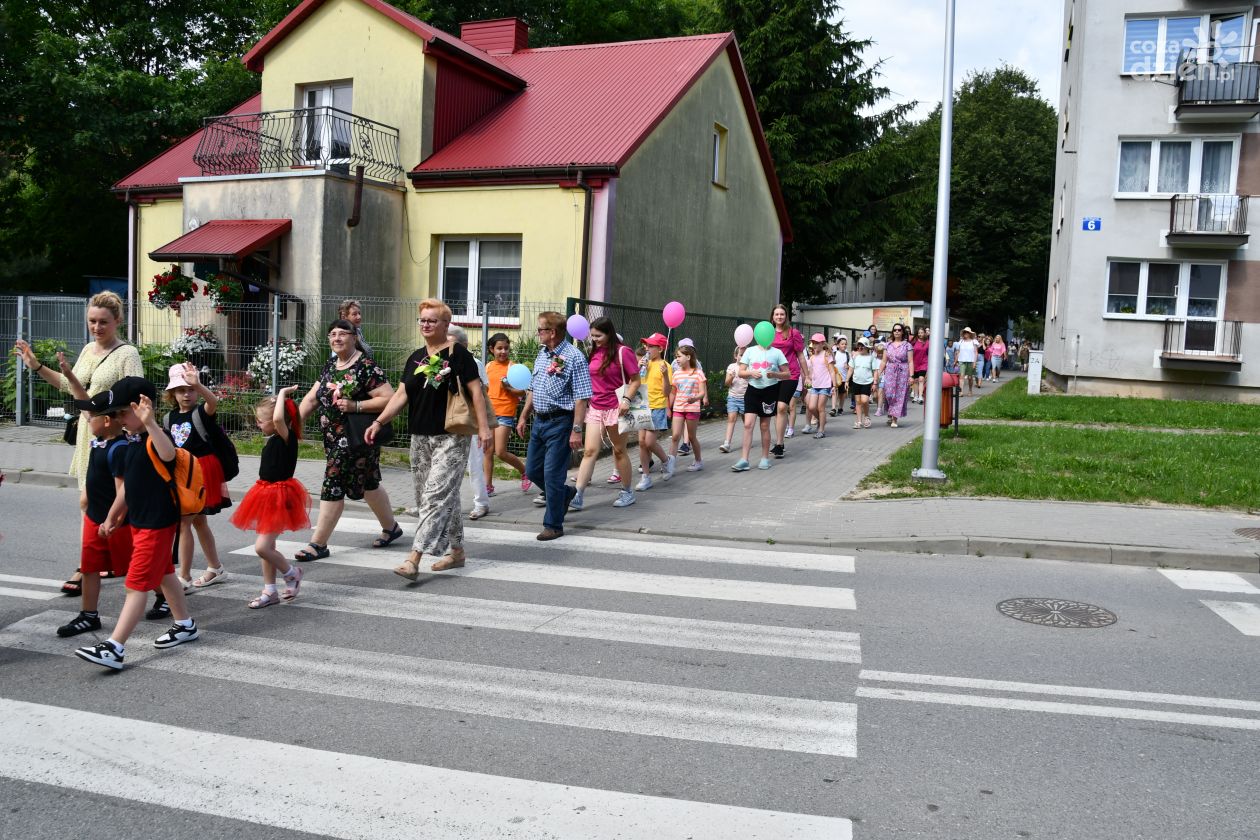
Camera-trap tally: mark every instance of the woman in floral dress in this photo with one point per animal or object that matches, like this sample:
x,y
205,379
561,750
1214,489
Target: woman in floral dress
x,y
895,373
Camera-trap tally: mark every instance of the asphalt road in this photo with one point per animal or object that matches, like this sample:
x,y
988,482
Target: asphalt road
x,y
633,688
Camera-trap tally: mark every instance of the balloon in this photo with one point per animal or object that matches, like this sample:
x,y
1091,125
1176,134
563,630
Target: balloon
x,y
743,335
764,333
673,314
519,377
578,327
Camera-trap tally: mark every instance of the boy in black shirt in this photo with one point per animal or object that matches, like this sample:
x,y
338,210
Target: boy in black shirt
x,y
147,501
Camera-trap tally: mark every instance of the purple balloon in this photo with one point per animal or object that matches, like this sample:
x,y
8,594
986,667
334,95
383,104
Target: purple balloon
x,y
673,314
578,327
743,335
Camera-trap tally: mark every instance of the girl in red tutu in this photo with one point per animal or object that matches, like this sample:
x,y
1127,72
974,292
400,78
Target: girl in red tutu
x,y
277,502
187,424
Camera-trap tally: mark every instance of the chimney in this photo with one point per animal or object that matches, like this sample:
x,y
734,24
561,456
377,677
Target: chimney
x,y
504,35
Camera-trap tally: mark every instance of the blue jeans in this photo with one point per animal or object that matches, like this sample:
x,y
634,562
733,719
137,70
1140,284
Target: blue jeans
x,y
547,465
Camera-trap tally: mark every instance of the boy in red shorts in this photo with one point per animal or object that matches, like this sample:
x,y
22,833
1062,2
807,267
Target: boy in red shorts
x,y
147,501
106,462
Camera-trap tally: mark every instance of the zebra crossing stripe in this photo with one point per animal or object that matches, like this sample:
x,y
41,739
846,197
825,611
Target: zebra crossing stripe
x,y
33,581
353,797
1244,616
1210,581
32,594
679,586
695,714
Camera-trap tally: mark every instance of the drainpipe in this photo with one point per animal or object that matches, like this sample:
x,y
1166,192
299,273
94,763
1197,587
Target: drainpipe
x,y
353,221
133,224
586,235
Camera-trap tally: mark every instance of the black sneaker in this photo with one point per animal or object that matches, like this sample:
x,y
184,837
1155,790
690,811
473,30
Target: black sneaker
x,y
82,624
103,654
684,449
159,610
177,635
777,450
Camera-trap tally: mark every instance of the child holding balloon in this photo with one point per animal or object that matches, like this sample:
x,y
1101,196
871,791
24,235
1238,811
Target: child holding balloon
x,y
505,398
657,374
764,366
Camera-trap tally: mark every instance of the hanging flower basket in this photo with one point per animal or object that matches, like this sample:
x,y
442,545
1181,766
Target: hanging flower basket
x,y
172,288
224,289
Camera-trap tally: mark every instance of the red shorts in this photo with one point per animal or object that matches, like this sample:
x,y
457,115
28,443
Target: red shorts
x,y
150,557
104,555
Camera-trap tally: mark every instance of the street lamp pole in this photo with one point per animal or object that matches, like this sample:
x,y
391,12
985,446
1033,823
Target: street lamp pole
x,y
928,469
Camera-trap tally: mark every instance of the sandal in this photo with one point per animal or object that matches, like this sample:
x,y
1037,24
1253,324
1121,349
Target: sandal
x,y
73,587
313,551
266,599
293,584
210,577
857,424
387,537
410,569
450,561
866,424
477,513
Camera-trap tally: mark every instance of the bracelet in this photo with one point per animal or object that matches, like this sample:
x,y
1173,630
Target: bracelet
x,y
356,406
38,369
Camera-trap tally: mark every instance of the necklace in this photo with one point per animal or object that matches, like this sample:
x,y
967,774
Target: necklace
x,y
348,362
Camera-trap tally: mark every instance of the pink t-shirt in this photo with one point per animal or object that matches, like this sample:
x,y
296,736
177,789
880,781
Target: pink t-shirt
x,y
688,390
819,369
921,350
604,385
792,345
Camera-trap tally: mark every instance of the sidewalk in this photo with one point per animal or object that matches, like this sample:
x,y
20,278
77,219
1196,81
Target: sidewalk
x,y
800,501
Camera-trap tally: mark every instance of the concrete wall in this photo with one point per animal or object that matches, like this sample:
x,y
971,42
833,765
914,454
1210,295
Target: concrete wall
x,y
158,223
676,235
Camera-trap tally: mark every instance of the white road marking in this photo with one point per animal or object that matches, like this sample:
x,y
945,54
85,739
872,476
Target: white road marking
x,y
349,796
723,717
1014,704
1243,615
32,594
1210,581
716,589
34,581
1062,690
667,631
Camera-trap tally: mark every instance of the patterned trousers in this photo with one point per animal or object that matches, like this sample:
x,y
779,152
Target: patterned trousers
x,y
437,471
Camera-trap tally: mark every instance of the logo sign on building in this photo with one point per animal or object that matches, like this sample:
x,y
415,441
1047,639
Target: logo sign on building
x,y
885,316
1091,223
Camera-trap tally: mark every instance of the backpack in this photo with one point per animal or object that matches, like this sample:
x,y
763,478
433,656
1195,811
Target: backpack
x,y
214,435
187,487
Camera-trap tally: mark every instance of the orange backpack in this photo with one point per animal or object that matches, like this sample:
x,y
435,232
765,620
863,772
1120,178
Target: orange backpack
x,y
187,487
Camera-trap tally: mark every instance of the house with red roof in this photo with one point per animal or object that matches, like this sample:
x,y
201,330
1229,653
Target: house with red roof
x,y
384,157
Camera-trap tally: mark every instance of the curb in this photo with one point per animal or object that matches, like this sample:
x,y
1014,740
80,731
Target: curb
x,y
996,547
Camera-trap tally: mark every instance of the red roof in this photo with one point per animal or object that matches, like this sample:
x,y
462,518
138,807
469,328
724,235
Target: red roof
x,y
162,173
223,239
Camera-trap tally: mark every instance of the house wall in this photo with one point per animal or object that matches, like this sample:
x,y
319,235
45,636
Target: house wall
x,y
679,236
159,223
343,40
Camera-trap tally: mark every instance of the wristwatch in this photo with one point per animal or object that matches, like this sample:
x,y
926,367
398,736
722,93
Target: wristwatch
x,y
577,429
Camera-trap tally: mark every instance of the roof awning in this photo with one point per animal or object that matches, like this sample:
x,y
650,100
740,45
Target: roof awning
x,y
228,239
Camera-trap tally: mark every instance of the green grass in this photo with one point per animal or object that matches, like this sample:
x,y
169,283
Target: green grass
x,y
1012,402
1082,465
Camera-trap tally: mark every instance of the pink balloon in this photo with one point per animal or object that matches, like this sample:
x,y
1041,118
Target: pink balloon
x,y
743,335
674,314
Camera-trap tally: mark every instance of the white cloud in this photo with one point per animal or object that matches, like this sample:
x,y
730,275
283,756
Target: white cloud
x,y
909,36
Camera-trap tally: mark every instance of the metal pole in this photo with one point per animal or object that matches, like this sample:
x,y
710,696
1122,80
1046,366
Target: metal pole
x,y
275,343
485,332
21,366
928,469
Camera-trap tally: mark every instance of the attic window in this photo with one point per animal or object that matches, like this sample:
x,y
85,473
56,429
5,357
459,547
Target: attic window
x,y
719,154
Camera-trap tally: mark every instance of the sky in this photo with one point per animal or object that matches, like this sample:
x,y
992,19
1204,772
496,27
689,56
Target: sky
x,y
910,34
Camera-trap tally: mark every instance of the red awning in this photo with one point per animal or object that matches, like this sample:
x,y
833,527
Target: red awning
x,y
223,239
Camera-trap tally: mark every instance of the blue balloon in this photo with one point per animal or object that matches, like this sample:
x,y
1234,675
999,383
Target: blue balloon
x,y
519,377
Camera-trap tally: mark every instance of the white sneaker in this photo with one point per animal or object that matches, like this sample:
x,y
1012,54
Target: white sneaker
x,y
696,467
670,463
645,483
725,447
790,431
624,499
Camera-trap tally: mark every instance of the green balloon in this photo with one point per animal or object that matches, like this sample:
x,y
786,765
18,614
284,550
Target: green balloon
x,y
764,333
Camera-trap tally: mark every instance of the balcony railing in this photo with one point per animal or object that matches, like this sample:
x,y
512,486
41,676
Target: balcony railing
x,y
306,138
1215,84
1202,344
1217,221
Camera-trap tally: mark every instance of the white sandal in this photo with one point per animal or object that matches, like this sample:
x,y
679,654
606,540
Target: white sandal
x,y
210,577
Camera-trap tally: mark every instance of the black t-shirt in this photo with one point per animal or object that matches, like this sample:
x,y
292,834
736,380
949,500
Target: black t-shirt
x,y
104,465
426,405
149,501
181,429
279,458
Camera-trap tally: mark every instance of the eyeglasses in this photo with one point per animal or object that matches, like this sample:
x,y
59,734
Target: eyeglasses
x,y
339,334
542,330
428,322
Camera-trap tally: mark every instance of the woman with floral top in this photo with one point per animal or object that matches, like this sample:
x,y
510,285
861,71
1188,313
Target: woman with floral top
x,y
349,383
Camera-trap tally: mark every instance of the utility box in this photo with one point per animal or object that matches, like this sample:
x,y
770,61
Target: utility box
x,y
1034,372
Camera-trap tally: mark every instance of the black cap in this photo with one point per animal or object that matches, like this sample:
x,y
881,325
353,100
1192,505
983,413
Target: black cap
x,y
127,390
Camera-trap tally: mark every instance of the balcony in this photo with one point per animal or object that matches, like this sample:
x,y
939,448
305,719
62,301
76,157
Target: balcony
x,y
1214,85
1208,221
1202,345
320,139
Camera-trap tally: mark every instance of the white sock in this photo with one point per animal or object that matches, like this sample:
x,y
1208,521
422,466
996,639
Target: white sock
x,y
270,588
289,575
117,644
185,623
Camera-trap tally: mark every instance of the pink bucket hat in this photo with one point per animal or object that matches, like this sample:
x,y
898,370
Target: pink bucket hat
x,y
177,378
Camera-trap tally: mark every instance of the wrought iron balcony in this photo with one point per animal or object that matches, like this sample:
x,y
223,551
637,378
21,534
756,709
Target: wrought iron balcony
x,y
1191,344
321,138
1214,84
1208,221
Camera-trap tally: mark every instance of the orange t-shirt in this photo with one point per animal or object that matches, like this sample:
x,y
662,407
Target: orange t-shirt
x,y
502,401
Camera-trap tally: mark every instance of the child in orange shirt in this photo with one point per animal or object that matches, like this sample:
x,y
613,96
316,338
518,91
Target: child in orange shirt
x,y
504,401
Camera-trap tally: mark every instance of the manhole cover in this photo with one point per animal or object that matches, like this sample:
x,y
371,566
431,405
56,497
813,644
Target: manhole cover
x,y
1056,612
1249,533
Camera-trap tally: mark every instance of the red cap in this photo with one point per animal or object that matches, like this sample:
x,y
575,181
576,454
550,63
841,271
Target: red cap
x,y
656,340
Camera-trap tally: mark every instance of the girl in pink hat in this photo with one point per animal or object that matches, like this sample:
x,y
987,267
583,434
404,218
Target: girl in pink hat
x,y
821,376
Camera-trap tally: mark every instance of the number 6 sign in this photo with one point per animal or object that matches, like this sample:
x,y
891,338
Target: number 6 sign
x,y
1091,223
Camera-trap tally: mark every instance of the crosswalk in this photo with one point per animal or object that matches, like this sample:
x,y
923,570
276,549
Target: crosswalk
x,y
1243,616
572,642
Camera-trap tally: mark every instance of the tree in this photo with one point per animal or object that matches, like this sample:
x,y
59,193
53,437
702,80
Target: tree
x,y
818,102
1002,198
557,22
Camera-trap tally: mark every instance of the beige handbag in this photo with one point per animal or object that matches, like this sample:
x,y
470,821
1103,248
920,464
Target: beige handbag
x,y
459,416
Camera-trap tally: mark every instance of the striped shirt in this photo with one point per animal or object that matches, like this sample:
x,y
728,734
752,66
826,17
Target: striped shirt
x,y
558,389
688,390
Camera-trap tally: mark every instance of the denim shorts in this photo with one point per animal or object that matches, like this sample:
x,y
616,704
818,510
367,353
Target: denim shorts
x,y
660,419
503,420
734,405
821,391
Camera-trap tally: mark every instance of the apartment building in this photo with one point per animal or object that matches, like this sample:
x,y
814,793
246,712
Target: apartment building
x,y
1154,285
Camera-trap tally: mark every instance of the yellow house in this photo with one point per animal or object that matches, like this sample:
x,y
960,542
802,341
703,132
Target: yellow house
x,y
385,158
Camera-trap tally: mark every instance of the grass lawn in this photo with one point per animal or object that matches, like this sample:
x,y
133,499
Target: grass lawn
x,y
1082,465
1012,402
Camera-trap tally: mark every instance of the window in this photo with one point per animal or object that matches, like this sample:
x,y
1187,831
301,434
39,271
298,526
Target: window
x,y
472,271
1183,165
1165,289
719,154
1054,301
1157,44
325,122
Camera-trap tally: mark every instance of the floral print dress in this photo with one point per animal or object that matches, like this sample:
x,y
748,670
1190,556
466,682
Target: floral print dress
x,y
348,472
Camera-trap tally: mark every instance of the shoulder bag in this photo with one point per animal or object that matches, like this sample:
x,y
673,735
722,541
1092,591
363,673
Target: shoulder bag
x,y
459,416
639,416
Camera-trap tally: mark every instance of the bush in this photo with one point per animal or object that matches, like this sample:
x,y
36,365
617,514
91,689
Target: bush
x,y
45,349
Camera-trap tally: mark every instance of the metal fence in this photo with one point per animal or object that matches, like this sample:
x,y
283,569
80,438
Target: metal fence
x,y
51,323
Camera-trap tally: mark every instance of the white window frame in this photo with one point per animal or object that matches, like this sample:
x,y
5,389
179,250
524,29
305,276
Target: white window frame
x,y
1161,37
1196,163
1183,291
318,118
720,146
469,314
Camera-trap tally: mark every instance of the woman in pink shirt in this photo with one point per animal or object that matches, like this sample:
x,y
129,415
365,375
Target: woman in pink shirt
x,y
791,343
612,365
921,350
997,354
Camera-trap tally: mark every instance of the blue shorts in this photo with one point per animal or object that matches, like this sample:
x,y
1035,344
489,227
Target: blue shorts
x,y
660,419
823,391
734,405
502,420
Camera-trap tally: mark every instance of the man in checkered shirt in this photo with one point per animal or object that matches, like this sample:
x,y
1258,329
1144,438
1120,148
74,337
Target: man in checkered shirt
x,y
557,398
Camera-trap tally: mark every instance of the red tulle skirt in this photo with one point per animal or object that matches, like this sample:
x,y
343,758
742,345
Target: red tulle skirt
x,y
273,507
216,485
